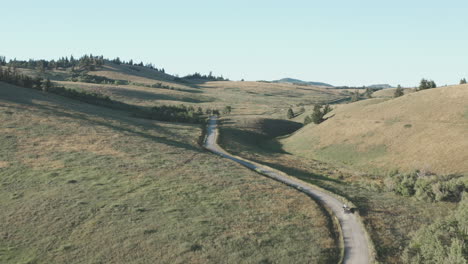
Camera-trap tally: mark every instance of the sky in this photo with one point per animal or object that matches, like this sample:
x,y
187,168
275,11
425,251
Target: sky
x,y
354,43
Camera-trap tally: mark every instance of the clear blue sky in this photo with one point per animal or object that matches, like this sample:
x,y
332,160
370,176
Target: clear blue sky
x,y
339,42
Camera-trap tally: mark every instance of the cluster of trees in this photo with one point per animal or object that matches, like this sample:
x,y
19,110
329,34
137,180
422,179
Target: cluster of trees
x,y
83,77
427,187
38,83
86,62
162,113
443,241
177,113
426,84
463,81
209,77
318,114
13,77
141,64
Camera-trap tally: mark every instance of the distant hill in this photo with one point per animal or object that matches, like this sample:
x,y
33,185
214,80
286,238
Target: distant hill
x,y
296,81
381,86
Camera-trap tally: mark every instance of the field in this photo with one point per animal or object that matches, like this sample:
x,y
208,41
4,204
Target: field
x,y
84,184
249,98
389,218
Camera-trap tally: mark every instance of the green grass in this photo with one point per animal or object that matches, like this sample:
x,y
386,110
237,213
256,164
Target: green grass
x,y
83,184
350,154
390,219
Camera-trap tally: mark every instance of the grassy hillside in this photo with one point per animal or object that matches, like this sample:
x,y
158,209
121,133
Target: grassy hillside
x,y
391,219
424,130
84,184
389,93
249,98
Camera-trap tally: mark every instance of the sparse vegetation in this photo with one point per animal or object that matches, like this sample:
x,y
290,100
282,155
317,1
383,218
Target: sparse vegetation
x,y
87,184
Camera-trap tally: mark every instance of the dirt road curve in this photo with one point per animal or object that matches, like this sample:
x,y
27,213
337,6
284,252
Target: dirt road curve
x,y
355,241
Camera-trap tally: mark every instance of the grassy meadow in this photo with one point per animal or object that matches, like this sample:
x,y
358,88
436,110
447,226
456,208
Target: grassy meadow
x,y
86,184
390,219
425,130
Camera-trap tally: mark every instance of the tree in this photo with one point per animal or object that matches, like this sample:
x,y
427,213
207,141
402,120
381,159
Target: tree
x,y
398,92
368,93
227,109
290,113
426,84
199,111
318,114
463,81
307,120
355,96
46,85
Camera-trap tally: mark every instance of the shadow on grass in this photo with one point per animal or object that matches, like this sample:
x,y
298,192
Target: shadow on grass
x,y
143,95
29,97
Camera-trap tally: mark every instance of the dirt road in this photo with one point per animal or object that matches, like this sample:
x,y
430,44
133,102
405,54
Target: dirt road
x,y
356,245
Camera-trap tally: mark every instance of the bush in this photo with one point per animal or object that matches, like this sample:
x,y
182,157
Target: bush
x,y
442,241
429,188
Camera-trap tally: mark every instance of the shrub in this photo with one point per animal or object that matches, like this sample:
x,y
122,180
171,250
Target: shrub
x,y
442,241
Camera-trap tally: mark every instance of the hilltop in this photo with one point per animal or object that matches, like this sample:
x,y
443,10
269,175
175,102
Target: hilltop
x,y
297,81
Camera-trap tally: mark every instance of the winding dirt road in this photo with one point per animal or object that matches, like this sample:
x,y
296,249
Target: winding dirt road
x,y
356,244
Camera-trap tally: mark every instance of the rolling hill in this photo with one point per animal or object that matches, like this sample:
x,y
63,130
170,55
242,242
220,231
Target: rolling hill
x,y
297,81
86,184
425,130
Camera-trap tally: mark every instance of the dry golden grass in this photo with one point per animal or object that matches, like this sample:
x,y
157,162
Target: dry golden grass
x,y
423,130
388,93
131,73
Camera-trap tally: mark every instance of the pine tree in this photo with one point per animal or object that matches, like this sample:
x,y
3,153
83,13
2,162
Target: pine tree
x,y
368,92
355,96
317,115
290,113
46,85
398,92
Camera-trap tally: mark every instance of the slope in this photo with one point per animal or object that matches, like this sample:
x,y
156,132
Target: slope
x,y
84,184
424,130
